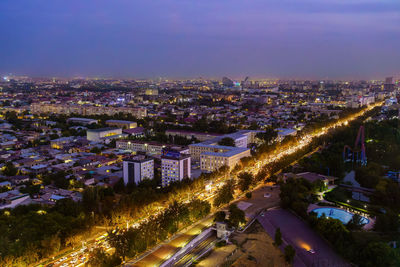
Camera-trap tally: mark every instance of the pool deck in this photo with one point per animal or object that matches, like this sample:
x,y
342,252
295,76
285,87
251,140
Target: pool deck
x,y
368,226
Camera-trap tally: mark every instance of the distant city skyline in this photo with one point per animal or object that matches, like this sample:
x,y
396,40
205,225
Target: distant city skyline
x,y
283,39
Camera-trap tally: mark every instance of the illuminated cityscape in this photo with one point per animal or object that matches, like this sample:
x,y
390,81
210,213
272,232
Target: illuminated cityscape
x,y
113,154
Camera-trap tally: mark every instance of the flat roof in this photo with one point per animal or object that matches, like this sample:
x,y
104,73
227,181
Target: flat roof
x,y
191,132
230,153
103,129
81,119
182,156
119,121
138,160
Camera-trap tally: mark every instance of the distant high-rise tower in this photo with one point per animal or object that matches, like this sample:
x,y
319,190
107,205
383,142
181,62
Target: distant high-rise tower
x,y
389,80
389,85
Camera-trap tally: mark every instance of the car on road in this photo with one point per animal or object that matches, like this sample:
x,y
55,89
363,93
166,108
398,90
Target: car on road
x,y
267,195
311,251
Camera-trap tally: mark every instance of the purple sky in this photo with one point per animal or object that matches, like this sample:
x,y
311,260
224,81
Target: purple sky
x,y
207,38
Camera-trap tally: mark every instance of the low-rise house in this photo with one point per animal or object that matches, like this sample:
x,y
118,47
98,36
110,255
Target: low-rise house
x,y
14,198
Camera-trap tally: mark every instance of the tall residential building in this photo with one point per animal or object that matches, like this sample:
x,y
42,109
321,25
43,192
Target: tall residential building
x,y
175,166
137,169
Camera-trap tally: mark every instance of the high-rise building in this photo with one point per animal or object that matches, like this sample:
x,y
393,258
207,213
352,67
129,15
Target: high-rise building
x,y
137,169
175,166
389,85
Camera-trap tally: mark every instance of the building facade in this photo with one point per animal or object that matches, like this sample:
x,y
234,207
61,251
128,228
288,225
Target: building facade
x,y
137,169
175,167
211,161
99,135
147,147
121,124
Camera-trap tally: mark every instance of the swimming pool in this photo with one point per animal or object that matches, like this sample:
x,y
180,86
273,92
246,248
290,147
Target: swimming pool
x,y
342,215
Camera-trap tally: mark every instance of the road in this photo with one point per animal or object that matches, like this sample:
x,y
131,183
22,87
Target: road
x,y
191,255
298,234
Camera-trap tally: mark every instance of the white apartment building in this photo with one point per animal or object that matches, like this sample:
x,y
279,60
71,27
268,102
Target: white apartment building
x,y
137,169
147,147
99,135
175,168
211,161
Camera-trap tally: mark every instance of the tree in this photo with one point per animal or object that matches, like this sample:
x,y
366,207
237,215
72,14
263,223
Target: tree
x,y
368,176
100,258
68,207
278,237
379,254
268,136
10,169
355,223
198,209
245,180
219,216
289,253
120,242
224,194
248,195
236,215
226,141
95,150
388,222
295,194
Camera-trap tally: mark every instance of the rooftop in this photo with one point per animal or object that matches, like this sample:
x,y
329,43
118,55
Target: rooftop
x,y
103,129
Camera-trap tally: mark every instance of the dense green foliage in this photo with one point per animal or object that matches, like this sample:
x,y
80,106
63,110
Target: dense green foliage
x,y
236,216
349,240
224,194
129,243
29,233
289,253
278,237
268,135
245,180
296,195
363,252
100,258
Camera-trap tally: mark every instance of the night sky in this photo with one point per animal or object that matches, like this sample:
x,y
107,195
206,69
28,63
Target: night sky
x,y
201,38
